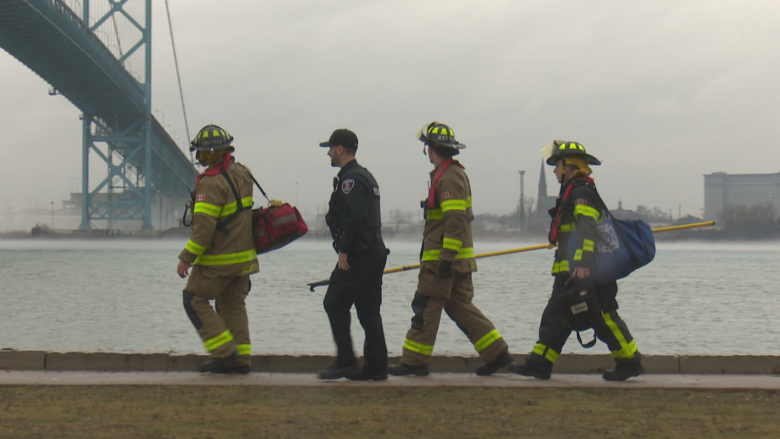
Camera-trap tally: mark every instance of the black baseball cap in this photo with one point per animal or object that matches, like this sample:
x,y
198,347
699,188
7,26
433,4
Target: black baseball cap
x,y
342,137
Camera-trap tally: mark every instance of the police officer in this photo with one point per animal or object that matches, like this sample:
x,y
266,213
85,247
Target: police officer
x,y
447,261
221,251
580,208
355,224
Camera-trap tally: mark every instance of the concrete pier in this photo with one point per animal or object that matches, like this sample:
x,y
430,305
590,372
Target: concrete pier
x,y
12,360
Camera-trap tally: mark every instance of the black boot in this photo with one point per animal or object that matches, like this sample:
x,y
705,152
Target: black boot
x,y
531,370
625,369
336,371
404,370
368,375
490,368
224,366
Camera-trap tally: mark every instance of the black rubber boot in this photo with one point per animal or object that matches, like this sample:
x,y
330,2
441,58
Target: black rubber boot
x,y
224,365
368,375
404,370
531,370
625,369
336,371
490,368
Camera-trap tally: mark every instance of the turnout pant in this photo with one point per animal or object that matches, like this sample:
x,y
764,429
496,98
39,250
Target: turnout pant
x,y
361,286
224,330
554,329
453,294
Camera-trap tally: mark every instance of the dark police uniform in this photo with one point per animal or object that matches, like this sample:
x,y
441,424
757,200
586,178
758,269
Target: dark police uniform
x,y
354,219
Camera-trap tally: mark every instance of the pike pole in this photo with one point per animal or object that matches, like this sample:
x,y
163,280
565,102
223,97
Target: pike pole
x,y
517,250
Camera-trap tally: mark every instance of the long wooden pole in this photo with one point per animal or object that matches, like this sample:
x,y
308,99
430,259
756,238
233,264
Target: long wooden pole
x,y
515,250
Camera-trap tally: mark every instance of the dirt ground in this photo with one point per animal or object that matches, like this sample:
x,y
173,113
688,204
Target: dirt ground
x,y
383,412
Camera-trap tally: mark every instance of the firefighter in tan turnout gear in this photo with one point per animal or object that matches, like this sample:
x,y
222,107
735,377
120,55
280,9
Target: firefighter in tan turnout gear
x,y
447,262
221,251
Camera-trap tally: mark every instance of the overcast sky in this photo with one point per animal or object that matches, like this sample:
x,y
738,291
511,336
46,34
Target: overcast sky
x,y
661,91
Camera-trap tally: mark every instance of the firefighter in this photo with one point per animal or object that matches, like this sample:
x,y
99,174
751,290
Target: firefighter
x,y
354,219
221,252
447,261
580,208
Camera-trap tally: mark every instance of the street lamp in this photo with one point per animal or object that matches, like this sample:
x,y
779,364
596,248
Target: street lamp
x,y
52,215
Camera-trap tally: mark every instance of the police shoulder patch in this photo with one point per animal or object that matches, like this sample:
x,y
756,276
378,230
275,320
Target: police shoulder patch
x,y
347,185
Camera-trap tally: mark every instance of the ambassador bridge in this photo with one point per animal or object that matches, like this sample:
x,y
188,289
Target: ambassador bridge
x,y
97,54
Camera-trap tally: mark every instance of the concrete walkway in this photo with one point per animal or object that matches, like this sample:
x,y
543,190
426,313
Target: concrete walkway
x,y
650,381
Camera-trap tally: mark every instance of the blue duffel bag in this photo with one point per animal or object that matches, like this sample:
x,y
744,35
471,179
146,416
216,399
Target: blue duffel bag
x,y
622,246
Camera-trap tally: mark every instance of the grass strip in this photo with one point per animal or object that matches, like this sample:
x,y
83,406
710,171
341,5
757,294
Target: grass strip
x,y
383,412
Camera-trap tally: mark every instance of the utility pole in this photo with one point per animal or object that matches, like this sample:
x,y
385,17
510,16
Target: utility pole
x,y
52,215
522,200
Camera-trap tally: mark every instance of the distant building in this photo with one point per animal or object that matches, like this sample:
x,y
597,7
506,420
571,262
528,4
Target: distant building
x,y
543,201
722,189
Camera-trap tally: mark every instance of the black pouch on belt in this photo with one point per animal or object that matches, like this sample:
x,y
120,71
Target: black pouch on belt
x,y
581,308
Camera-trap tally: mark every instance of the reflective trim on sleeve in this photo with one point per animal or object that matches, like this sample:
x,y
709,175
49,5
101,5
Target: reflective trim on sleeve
x,y
420,348
588,245
584,210
226,259
244,349
578,255
434,214
544,351
628,349
206,208
452,244
433,255
487,340
568,227
231,208
221,339
195,248
449,205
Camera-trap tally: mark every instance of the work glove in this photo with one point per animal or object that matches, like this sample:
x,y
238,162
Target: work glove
x,y
445,268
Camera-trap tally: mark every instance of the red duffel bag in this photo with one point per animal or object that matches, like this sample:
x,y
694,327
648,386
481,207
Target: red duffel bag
x,y
276,226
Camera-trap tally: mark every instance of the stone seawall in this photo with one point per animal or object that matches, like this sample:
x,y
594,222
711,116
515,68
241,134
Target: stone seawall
x,y
567,363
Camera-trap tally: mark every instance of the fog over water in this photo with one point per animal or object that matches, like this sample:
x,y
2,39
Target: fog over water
x,y
124,296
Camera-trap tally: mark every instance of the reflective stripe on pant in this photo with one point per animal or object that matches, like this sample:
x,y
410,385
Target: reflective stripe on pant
x,y
418,346
554,329
224,331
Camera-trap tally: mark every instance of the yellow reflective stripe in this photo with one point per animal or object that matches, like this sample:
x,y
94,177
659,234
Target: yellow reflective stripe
x,y
433,255
195,248
452,244
218,341
543,351
582,209
226,259
448,205
231,208
568,227
487,340
561,266
468,202
578,255
244,349
588,245
434,214
208,209
420,348
628,349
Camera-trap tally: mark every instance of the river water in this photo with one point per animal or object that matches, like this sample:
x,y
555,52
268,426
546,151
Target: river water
x,y
124,296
